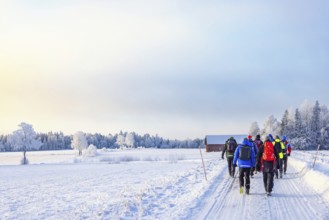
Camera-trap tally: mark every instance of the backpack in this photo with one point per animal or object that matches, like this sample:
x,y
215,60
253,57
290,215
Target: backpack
x,y
268,154
284,150
244,153
231,145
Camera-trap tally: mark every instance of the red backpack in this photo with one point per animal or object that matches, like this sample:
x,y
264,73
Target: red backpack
x,y
268,154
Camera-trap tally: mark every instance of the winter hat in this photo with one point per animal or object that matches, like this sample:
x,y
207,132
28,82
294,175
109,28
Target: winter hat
x,y
284,138
277,137
249,137
257,136
245,142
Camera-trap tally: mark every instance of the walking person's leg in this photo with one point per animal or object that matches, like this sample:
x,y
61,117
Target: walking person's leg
x,y
247,176
241,179
230,165
285,164
233,168
252,172
265,176
276,169
281,167
270,182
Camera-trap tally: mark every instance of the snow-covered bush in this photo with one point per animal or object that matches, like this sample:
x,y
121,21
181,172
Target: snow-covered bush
x,y
104,149
174,158
91,151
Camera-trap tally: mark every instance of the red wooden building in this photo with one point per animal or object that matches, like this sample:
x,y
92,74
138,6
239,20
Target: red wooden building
x,y
217,142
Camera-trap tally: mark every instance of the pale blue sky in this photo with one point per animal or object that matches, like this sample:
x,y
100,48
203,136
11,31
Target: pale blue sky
x,y
179,69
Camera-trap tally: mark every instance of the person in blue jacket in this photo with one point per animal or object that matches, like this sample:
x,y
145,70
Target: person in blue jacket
x,y
244,157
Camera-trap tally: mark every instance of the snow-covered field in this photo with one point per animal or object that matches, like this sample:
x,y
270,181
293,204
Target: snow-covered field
x,y
155,184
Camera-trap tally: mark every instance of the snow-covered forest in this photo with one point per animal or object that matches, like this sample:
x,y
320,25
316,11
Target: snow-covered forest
x,y
306,127
60,141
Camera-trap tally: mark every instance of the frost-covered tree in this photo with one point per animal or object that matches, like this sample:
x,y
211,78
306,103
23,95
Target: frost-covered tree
x,y
287,124
324,131
158,141
298,125
130,140
24,139
271,126
79,142
121,141
148,141
298,136
315,126
254,129
324,116
306,111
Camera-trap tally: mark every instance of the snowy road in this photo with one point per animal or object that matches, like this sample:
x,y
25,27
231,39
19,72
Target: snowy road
x,y
291,199
147,184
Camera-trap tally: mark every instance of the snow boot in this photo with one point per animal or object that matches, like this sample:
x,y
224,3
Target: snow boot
x,y
268,193
280,175
241,189
247,191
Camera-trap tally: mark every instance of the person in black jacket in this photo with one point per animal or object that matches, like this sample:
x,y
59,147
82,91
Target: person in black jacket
x,y
229,148
266,160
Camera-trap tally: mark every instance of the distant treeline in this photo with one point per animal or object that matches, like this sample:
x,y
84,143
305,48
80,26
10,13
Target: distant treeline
x,y
60,141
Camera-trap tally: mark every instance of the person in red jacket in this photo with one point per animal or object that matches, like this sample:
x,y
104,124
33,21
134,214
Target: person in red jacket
x,y
286,154
267,158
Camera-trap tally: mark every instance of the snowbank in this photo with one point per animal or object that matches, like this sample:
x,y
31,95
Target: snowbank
x,y
316,177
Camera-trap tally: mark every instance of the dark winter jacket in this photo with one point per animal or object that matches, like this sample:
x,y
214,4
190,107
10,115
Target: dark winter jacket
x,y
266,166
244,163
258,142
229,154
280,148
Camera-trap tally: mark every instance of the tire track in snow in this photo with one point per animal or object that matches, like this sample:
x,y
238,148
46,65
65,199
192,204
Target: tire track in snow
x,y
212,199
256,203
293,193
235,205
218,204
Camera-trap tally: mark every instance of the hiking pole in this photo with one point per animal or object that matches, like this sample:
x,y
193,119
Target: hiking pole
x,y
204,169
316,155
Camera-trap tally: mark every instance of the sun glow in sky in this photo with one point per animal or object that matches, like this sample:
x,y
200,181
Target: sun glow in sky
x,y
180,69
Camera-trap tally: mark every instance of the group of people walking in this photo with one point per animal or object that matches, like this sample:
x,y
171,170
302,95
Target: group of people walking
x,y
251,156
